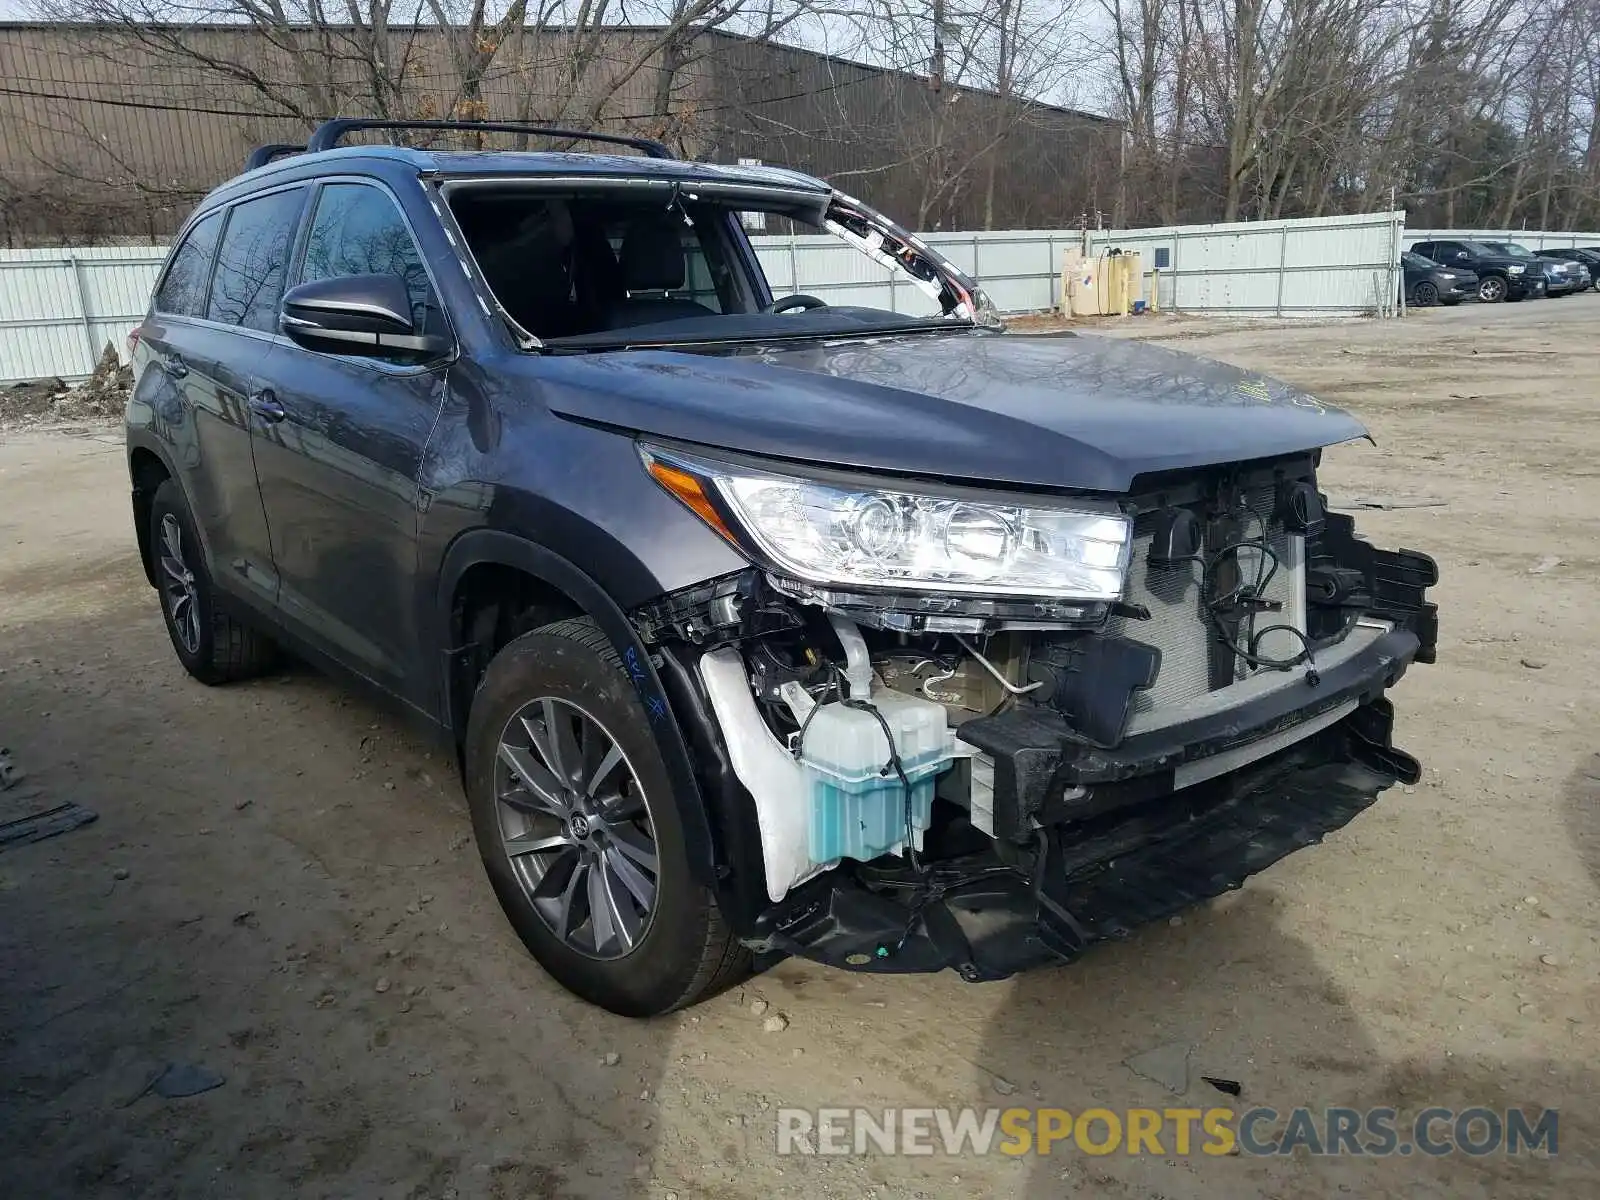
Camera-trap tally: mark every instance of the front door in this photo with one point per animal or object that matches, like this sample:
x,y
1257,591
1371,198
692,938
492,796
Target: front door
x,y
337,461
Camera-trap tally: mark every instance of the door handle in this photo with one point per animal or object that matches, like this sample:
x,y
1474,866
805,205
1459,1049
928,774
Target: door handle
x,y
175,365
265,405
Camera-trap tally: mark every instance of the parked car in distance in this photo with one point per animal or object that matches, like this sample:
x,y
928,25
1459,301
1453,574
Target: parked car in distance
x,y
757,625
1428,282
1500,276
1558,280
1588,260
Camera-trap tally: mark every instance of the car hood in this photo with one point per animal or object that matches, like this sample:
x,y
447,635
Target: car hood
x,y
1080,412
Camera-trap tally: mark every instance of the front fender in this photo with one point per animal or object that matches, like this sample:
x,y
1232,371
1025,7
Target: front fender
x,y
705,837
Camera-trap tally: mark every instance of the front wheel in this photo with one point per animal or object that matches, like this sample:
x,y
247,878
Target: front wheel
x,y
579,830
1491,289
1425,295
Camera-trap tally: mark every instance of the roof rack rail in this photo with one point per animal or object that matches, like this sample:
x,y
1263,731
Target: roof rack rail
x,y
262,155
329,132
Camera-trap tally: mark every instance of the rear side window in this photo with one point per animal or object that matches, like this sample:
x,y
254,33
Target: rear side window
x,y
248,281
183,291
358,230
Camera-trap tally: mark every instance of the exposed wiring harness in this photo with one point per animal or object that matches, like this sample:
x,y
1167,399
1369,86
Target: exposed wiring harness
x,y
1252,597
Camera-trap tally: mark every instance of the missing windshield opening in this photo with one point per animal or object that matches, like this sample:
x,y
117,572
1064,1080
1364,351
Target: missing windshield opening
x,y
602,264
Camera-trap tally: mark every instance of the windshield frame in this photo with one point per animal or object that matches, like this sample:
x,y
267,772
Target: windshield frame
x,y
963,303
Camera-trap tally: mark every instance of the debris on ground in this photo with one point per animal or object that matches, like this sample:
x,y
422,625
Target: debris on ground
x,y
1392,502
102,397
1167,1064
1004,1086
30,403
1231,1087
10,774
610,1058
63,818
1534,664
1546,564
185,1079
759,1006
776,1023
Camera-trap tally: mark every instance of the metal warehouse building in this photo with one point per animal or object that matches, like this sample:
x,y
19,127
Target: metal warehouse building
x,y
111,134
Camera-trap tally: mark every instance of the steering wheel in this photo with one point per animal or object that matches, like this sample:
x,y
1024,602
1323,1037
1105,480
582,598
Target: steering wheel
x,y
799,301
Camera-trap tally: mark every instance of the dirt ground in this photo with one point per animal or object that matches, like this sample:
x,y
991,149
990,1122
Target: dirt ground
x,y
281,888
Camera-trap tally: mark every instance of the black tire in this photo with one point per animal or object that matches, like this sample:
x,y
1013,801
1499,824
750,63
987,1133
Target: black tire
x,y
1451,302
1425,294
213,646
1491,289
687,952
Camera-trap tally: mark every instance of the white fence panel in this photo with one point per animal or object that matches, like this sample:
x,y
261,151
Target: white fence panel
x,y
1019,269
59,307
1329,266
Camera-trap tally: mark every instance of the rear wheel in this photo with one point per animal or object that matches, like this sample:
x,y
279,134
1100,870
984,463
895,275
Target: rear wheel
x,y
579,831
1425,294
211,644
1491,289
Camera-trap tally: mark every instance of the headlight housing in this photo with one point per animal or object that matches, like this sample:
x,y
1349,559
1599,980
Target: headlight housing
x,y
1515,269
903,537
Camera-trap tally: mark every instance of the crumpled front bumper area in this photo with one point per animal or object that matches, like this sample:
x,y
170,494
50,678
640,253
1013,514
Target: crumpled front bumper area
x,y
1100,878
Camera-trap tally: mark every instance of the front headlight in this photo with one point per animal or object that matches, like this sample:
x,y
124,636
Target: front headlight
x,y
1514,269
849,535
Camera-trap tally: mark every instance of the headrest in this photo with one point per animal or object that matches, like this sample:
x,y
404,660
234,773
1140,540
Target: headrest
x,y
652,254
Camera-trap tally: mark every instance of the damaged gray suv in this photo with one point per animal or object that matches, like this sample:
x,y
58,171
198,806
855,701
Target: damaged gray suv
x,y
760,625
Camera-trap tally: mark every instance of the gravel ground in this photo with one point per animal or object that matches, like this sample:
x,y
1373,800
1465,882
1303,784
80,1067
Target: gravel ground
x,y
280,888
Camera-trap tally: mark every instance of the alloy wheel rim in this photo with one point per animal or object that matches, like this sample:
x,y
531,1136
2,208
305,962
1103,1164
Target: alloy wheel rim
x,y
1490,289
177,586
576,828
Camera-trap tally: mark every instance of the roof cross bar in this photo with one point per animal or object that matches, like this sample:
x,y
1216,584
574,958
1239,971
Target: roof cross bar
x,y
262,155
329,132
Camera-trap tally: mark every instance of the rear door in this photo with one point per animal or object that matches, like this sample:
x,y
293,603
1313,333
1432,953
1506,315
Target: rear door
x,y
338,467
222,356
161,372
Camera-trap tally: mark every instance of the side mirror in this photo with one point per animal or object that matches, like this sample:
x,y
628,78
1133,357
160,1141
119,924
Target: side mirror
x,y
356,314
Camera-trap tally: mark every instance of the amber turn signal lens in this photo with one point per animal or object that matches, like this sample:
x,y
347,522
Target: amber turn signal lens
x,y
690,490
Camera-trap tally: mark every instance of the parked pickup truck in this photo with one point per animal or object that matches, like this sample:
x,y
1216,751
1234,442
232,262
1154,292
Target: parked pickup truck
x,y
1501,276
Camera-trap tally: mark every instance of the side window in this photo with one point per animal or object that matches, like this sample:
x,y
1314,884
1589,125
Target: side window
x,y
183,290
358,230
256,244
